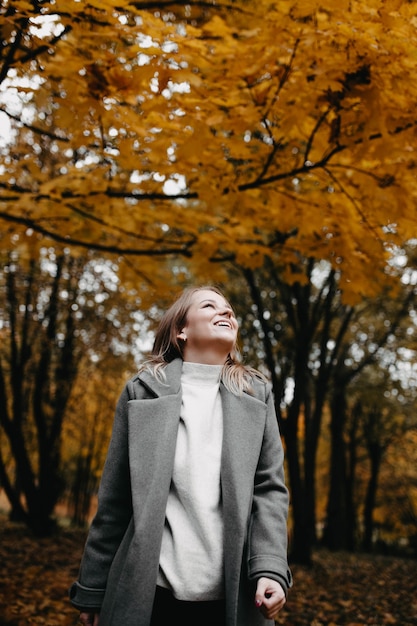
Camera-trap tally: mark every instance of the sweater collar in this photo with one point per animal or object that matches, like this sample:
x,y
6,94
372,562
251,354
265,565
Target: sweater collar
x,y
200,374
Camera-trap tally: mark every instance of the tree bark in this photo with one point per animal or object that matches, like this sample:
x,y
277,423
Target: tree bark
x,y
335,533
375,455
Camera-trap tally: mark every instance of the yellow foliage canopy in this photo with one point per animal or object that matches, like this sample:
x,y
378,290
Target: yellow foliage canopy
x,y
222,133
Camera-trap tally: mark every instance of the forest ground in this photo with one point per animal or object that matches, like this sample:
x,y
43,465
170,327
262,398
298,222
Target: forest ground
x,y
338,589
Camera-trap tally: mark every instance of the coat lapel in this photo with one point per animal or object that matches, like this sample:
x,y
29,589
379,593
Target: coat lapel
x,y
243,427
153,424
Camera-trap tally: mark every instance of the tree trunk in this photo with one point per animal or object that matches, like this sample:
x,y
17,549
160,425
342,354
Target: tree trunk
x,y
375,453
41,373
301,537
352,446
335,533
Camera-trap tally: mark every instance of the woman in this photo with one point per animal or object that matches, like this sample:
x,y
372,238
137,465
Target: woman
x,y
191,519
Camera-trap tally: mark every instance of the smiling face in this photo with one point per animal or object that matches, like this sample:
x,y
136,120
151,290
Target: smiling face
x,y
210,331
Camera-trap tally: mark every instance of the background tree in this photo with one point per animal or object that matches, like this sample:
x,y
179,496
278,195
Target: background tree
x,y
52,321
167,143
382,413
377,326
87,429
395,511
308,337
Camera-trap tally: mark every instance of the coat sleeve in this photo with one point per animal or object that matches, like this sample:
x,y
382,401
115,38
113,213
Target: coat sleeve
x,y
113,516
268,535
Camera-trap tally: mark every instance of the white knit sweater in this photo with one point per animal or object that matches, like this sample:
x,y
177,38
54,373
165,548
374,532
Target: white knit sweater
x,y
191,560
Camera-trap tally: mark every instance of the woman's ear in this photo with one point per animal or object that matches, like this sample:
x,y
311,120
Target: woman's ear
x,y
182,335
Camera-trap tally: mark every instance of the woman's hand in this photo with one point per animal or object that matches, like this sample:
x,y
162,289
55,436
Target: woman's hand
x,y
89,619
269,597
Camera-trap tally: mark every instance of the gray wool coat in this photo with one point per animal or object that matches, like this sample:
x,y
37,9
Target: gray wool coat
x,y
119,566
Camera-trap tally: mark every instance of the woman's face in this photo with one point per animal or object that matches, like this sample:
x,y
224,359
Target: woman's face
x,y
210,331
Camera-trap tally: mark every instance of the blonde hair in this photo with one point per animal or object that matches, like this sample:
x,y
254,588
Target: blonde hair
x,y
236,377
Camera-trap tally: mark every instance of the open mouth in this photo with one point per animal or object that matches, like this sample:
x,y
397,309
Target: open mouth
x,y
224,324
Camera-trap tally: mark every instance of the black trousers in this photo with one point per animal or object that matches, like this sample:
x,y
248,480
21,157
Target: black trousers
x,y
167,611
